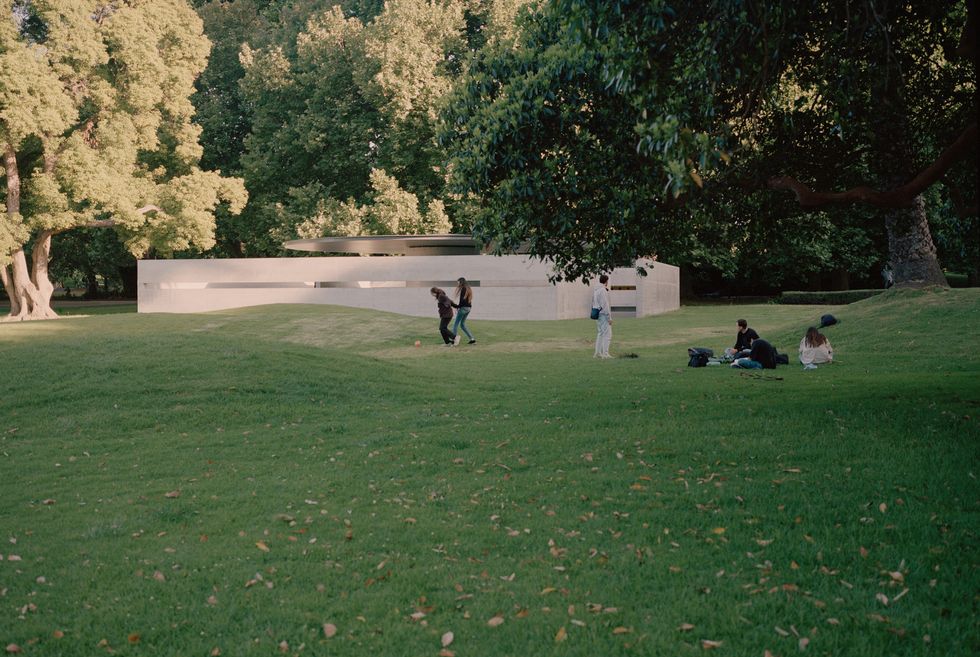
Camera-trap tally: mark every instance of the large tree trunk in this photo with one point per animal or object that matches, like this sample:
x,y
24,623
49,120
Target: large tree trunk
x,y
31,303
911,251
910,245
30,296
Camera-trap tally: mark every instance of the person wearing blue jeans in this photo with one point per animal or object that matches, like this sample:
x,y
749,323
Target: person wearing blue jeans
x,y
465,295
762,356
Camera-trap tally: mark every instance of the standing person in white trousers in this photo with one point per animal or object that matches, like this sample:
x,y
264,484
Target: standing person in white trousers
x,y
600,300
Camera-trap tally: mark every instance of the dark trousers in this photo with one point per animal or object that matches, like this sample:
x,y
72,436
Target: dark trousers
x,y
447,335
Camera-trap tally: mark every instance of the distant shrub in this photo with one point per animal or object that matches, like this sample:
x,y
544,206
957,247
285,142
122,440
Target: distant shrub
x,y
826,298
957,280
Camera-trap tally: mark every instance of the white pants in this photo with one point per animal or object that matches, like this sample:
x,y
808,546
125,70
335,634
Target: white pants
x,y
603,336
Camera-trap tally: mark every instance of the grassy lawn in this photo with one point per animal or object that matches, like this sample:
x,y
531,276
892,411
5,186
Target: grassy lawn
x,y
303,480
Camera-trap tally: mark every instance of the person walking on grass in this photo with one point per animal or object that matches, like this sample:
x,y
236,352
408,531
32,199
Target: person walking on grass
x,y
600,300
464,293
445,306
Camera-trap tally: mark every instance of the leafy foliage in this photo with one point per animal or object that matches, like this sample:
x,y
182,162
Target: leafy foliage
x,y
582,140
95,107
337,91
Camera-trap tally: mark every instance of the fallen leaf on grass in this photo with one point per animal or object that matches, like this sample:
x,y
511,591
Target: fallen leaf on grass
x,y
882,598
446,653
329,630
622,630
13,648
48,501
718,530
134,638
158,576
804,642
262,546
58,634
561,635
495,621
780,631
447,639
710,645
685,627
172,494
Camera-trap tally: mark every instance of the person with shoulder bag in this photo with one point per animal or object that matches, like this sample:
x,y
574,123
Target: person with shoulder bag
x,y
600,301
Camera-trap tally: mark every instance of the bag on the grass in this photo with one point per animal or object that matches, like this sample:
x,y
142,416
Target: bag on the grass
x,y
698,356
782,359
595,313
827,320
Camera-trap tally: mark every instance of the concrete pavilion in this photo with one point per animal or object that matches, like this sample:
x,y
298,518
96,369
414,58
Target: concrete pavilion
x,y
394,273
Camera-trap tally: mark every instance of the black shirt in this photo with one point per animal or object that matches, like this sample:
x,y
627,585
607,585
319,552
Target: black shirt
x,y
744,340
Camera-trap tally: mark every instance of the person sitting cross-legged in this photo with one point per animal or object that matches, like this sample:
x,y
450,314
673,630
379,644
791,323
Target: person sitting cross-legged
x,y
743,340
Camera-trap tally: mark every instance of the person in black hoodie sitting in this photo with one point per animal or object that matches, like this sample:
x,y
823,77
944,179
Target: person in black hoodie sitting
x,y
762,356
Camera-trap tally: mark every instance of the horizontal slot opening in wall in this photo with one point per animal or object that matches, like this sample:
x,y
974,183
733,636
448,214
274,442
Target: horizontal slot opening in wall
x,y
622,287
623,309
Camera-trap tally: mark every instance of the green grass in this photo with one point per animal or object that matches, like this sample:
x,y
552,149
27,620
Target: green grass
x,y
322,469
82,308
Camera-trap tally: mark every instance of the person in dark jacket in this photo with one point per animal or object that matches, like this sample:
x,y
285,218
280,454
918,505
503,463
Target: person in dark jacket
x,y
743,340
445,306
463,308
762,356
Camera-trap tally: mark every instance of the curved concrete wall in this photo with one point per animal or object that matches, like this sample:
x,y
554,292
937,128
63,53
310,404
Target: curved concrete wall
x,y
505,287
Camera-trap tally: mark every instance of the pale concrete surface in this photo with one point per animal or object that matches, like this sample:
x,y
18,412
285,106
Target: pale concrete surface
x,y
505,287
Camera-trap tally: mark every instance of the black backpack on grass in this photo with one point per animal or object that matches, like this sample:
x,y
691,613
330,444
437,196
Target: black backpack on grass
x,y
698,356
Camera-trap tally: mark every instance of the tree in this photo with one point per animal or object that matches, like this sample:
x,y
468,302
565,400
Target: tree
x,y
586,140
96,131
332,91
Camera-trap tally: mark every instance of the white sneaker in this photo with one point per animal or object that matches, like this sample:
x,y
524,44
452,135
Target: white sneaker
x,y
456,340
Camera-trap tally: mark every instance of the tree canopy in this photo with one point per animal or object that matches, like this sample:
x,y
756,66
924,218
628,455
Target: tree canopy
x,y
96,130
336,98
614,129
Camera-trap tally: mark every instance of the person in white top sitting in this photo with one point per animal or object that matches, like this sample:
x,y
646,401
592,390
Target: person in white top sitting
x,y
600,300
815,349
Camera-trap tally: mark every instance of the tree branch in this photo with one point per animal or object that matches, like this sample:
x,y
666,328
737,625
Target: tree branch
x,y
899,197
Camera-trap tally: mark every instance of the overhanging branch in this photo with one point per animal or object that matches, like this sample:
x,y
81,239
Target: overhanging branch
x,y
899,197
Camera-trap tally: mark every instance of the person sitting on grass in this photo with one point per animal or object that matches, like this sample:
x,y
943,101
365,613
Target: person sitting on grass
x,y
762,356
815,349
743,340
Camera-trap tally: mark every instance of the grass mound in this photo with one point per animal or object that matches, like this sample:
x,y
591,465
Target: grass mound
x,y
304,480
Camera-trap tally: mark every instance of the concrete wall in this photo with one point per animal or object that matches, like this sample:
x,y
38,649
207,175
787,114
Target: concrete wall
x,y
505,287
